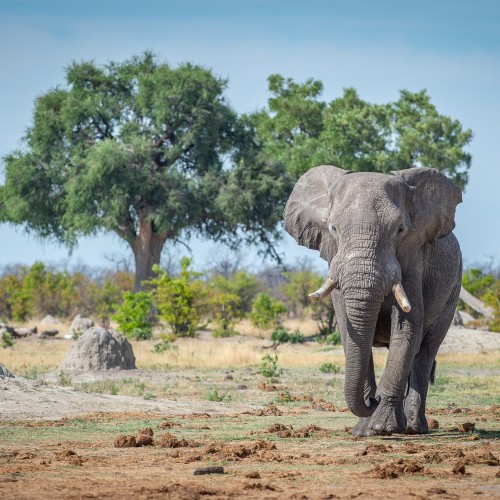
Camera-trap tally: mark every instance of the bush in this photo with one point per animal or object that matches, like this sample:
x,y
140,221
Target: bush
x,y
285,336
269,366
267,312
181,300
329,368
134,316
163,345
241,284
7,340
333,338
224,311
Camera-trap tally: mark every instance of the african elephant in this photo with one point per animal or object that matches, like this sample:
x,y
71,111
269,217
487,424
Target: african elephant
x,y
394,275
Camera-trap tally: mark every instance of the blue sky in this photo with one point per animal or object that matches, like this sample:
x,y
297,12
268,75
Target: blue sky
x,y
451,48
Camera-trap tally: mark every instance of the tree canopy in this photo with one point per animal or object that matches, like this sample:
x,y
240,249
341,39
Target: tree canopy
x,y
301,131
154,153
147,151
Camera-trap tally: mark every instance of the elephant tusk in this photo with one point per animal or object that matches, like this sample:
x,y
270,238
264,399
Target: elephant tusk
x,y
401,297
324,290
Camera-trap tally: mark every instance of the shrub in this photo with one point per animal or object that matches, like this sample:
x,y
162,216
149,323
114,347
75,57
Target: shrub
x,y
329,368
7,340
266,311
241,284
134,316
334,338
181,300
269,366
213,395
224,311
285,336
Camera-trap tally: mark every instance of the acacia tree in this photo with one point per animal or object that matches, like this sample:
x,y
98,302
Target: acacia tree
x,y
147,151
301,131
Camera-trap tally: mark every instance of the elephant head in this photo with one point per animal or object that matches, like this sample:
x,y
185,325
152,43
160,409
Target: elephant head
x,y
371,228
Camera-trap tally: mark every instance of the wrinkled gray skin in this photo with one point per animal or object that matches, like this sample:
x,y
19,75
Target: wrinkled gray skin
x,y
375,230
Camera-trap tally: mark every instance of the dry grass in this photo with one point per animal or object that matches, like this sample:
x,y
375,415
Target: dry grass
x,y
226,353
32,357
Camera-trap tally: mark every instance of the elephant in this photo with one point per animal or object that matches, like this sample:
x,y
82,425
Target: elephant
x,y
394,276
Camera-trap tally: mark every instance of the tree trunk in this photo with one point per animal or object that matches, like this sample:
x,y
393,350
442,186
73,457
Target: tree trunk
x,y
147,249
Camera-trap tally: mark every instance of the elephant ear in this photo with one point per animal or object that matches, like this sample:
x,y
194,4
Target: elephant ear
x,y
306,212
434,203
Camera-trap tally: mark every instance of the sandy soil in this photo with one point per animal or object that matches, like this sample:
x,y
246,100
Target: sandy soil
x,y
466,340
23,399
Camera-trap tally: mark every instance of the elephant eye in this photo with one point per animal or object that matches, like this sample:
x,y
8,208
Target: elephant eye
x,y
401,229
334,229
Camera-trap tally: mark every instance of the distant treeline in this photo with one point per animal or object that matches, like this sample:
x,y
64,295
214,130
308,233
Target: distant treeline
x,y
221,295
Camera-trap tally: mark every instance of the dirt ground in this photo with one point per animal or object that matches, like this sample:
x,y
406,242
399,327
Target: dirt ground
x,y
274,439
276,452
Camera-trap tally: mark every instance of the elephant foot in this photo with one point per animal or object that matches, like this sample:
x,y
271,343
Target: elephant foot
x,y
416,424
362,429
389,417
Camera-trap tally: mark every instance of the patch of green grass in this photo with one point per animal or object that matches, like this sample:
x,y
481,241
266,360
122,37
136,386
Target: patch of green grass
x,y
329,368
214,395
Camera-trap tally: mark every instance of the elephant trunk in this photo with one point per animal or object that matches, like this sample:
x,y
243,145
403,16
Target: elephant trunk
x,y
361,322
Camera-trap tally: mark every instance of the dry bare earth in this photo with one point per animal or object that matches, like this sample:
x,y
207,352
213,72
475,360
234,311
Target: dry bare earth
x,y
77,458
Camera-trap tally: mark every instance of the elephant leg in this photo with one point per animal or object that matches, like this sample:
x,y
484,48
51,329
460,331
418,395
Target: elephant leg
x,y
362,429
415,401
406,335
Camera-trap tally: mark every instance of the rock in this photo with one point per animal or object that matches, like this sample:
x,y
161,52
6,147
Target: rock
x,y
465,318
4,373
25,332
80,324
50,320
46,334
99,349
213,469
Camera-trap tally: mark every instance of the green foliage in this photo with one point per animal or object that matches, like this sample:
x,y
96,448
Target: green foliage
x,y
486,287
165,344
301,131
181,300
134,316
7,340
329,368
299,284
334,338
27,292
266,311
214,395
224,311
285,336
476,281
242,284
269,366
146,151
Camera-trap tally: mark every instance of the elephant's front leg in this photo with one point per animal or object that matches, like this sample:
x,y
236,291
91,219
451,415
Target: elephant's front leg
x,y
362,429
406,334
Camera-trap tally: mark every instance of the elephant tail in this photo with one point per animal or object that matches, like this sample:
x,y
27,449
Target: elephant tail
x,y
433,372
